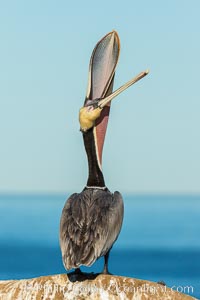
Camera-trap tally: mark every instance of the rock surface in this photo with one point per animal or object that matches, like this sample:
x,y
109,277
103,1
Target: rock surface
x,y
100,287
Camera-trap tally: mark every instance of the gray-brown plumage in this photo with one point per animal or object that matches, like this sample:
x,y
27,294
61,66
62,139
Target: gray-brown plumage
x,y
91,222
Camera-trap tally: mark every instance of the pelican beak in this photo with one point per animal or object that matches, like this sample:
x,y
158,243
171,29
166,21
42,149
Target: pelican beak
x,y
109,98
102,67
103,62
88,114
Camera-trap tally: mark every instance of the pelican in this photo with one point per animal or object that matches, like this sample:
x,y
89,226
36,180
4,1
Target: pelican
x,y
91,220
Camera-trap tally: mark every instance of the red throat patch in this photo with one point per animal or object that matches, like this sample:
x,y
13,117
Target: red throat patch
x,y
100,131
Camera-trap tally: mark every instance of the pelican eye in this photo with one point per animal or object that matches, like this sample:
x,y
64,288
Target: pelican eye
x,y
93,102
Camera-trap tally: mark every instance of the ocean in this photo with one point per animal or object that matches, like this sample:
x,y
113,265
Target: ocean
x,y
159,240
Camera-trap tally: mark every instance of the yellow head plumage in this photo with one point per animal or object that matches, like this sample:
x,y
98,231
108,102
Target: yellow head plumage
x,y
87,117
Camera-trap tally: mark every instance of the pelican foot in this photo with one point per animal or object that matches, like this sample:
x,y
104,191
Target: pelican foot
x,y
78,275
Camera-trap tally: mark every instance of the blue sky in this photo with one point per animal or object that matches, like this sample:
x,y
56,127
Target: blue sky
x,y
153,140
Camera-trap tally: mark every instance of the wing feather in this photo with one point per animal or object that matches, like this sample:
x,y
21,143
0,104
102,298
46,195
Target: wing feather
x,y
90,224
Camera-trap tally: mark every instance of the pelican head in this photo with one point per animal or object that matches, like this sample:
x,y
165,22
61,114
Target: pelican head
x,y
102,67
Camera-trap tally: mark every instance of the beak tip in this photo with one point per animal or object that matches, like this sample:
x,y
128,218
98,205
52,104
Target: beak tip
x,y
115,35
114,31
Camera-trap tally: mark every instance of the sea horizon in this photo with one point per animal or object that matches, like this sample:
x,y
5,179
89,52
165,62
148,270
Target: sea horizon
x,y
159,239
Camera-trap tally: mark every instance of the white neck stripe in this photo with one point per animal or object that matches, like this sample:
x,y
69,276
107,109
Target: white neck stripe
x,y
96,187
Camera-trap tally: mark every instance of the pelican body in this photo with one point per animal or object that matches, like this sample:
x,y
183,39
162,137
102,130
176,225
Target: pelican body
x,y
91,220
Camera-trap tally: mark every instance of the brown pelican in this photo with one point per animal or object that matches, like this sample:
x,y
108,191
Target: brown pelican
x,y
91,220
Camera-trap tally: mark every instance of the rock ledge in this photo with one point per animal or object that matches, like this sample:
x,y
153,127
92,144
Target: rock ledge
x,y
101,287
